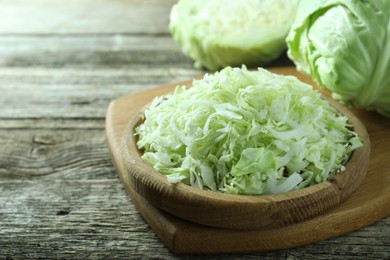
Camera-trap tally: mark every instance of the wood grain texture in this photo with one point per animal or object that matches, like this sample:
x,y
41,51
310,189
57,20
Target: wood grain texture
x,y
84,17
86,51
368,204
58,72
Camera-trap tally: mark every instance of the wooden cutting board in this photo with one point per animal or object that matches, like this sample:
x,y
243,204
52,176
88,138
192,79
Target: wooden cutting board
x,y
369,203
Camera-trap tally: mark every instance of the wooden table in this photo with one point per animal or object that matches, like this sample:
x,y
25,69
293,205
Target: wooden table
x,y
61,63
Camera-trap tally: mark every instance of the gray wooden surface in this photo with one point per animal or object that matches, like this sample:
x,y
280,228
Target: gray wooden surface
x,y
61,62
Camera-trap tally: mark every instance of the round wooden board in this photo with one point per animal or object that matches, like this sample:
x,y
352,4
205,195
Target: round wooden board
x,y
367,204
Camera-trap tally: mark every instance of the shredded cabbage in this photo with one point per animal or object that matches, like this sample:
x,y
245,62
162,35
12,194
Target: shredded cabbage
x,y
245,132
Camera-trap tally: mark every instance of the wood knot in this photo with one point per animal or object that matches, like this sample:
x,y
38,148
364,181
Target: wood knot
x,y
63,212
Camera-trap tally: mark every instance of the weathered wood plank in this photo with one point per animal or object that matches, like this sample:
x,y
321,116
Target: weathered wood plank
x,y
51,124
85,51
61,219
74,93
84,17
68,154
139,77
26,101
59,101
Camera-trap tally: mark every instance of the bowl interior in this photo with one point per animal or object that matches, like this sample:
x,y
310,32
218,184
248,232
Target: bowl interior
x,y
244,211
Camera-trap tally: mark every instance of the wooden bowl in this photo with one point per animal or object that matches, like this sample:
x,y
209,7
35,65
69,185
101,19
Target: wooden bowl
x,y
249,212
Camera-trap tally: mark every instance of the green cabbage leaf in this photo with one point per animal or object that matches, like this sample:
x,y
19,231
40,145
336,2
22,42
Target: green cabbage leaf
x,y
245,132
345,47
220,33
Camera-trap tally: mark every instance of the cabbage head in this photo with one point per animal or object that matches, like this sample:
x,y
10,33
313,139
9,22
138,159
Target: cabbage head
x,y
220,33
344,45
245,132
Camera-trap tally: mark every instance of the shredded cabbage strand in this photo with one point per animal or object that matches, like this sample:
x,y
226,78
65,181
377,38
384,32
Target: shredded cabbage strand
x,y
246,132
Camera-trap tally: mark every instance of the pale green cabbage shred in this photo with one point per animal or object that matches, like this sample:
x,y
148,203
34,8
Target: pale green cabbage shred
x,y
246,132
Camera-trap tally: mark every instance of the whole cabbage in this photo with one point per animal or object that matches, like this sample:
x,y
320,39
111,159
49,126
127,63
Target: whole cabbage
x,y
220,33
344,45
